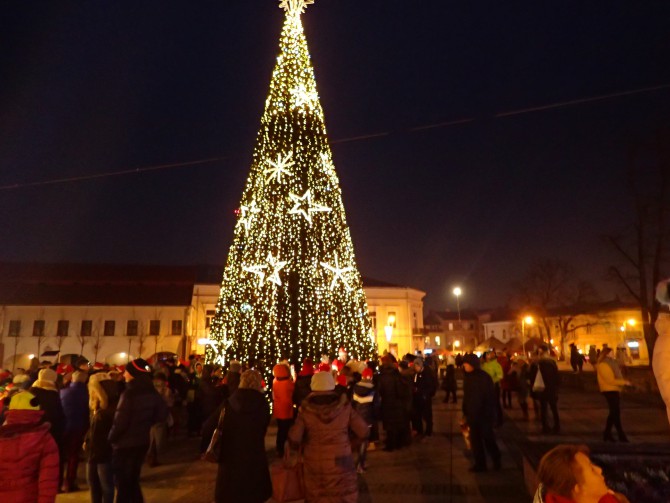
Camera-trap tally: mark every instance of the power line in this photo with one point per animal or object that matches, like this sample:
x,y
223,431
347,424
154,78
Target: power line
x,y
415,129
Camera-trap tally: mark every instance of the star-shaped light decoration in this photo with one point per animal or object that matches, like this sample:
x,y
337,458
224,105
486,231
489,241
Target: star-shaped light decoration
x,y
338,273
276,266
258,270
301,96
304,205
294,8
279,166
248,213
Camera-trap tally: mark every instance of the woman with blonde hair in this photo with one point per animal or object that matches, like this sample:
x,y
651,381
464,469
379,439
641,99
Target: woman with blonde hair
x,y
103,397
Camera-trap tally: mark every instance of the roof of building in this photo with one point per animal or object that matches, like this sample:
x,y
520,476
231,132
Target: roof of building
x,y
24,284
435,317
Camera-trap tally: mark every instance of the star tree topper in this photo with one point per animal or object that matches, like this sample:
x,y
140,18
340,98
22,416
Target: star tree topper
x,y
305,206
294,8
338,273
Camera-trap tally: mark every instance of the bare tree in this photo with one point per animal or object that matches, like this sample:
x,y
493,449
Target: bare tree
x,y
41,335
98,342
142,336
642,248
550,291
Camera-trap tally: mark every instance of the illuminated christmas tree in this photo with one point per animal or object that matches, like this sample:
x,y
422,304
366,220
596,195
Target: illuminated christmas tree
x,y
291,287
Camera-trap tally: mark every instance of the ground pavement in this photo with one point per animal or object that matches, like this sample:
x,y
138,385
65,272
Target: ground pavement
x,y
434,470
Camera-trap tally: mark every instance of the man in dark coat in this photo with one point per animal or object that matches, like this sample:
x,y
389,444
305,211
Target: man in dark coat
x,y
393,392
423,390
243,457
548,396
479,411
140,408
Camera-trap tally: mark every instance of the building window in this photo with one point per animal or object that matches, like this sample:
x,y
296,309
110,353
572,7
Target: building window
x,y
209,316
427,340
86,328
391,319
176,327
131,328
38,328
63,328
493,333
414,320
504,335
110,328
373,320
14,328
155,327
451,326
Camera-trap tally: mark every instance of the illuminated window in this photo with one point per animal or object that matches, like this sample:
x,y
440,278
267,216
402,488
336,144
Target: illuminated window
x,y
209,316
392,319
373,320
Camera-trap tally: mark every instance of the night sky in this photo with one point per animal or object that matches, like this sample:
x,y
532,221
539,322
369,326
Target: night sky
x,y
93,87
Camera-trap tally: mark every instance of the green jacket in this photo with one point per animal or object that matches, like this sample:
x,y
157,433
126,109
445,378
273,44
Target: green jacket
x,y
493,369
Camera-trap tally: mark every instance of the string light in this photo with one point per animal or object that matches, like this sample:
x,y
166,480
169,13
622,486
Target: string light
x,y
290,287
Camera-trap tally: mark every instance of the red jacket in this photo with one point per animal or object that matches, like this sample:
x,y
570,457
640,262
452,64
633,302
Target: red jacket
x,y
28,459
282,396
552,498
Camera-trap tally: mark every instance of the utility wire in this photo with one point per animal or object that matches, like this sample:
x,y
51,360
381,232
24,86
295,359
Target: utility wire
x,y
501,115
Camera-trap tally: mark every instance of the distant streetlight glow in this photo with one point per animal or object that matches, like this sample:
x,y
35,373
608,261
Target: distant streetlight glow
x,y
527,320
457,293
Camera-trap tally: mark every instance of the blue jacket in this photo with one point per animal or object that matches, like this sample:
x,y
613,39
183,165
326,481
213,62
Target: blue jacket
x,y
74,399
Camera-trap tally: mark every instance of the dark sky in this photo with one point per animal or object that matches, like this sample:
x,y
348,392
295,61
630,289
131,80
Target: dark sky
x,y
93,87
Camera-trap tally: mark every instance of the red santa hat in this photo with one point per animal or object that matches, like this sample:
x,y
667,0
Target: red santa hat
x,y
367,373
324,367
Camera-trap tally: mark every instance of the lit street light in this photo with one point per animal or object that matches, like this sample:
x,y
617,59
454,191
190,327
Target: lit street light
x,y
457,293
527,320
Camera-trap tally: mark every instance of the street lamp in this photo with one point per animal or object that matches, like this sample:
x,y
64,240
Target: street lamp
x,y
457,293
527,320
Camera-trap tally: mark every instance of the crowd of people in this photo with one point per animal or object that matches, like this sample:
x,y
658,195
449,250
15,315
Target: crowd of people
x,y
332,412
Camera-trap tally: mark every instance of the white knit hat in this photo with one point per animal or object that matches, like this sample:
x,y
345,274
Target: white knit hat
x,y
322,381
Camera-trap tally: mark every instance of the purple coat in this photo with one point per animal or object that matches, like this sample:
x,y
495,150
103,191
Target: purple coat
x,y
74,399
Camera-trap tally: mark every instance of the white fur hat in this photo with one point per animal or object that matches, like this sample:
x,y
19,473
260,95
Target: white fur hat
x,y
322,381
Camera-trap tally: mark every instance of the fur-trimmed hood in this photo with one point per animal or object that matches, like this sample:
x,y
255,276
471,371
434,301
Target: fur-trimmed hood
x,y
325,405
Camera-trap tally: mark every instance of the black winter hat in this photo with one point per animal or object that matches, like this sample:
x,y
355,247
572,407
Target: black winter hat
x,y
472,359
138,368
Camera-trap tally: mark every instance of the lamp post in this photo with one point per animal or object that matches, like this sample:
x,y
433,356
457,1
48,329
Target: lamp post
x,y
457,293
526,320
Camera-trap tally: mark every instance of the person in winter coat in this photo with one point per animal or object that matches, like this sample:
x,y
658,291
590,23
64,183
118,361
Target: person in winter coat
x,y
395,398
661,358
158,432
479,412
139,408
548,396
610,383
507,382
47,396
74,400
103,396
302,383
520,370
366,402
28,454
567,475
576,359
243,457
423,390
449,383
282,399
322,427
495,370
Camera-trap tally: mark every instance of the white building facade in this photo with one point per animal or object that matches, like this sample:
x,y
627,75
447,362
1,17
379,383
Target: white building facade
x,y
114,314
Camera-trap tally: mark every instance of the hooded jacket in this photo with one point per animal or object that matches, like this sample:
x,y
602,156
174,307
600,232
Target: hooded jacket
x,y
365,401
243,457
140,407
28,459
50,403
322,427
